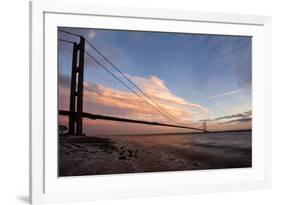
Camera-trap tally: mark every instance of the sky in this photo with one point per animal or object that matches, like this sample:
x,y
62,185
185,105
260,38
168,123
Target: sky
x,y
195,78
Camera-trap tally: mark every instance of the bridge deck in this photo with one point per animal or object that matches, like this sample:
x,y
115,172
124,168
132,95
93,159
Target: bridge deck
x,y
103,117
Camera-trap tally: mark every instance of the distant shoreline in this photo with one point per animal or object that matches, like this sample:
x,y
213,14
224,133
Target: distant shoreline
x,y
177,133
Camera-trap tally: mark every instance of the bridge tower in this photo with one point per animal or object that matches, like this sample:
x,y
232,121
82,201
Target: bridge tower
x,y
76,90
204,126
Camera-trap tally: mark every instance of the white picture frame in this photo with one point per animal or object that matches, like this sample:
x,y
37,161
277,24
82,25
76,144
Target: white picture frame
x,y
46,187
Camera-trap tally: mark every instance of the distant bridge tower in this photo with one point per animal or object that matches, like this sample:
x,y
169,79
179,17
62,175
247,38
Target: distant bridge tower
x,y
76,90
204,126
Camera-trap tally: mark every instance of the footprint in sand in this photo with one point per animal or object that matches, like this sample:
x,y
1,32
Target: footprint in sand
x,y
195,164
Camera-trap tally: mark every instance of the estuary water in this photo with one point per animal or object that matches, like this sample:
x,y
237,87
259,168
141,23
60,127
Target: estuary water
x,y
196,151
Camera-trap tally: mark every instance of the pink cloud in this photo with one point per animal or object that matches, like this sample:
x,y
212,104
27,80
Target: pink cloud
x,y
129,105
99,99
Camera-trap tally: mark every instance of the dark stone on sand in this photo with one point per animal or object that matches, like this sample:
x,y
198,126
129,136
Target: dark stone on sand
x,y
122,158
130,153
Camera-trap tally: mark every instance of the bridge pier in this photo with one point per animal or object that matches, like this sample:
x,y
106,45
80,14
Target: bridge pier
x,y
76,90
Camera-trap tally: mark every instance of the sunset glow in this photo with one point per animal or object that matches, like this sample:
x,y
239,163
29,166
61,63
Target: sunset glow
x,y
194,78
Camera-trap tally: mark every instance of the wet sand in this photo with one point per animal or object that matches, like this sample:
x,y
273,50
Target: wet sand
x,y
80,155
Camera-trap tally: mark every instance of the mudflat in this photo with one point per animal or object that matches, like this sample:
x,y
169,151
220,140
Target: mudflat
x,y
82,155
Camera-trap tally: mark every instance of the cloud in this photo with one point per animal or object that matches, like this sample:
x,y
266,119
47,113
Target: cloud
x,y
100,99
241,115
91,35
181,108
139,37
224,94
236,55
248,119
230,119
156,88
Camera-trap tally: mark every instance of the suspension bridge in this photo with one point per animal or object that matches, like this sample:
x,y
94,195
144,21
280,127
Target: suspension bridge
x,y
76,113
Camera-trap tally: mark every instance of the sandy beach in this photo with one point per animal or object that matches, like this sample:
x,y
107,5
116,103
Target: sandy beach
x,y
81,155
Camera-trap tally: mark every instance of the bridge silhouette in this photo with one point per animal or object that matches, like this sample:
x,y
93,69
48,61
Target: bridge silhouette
x,y
76,113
